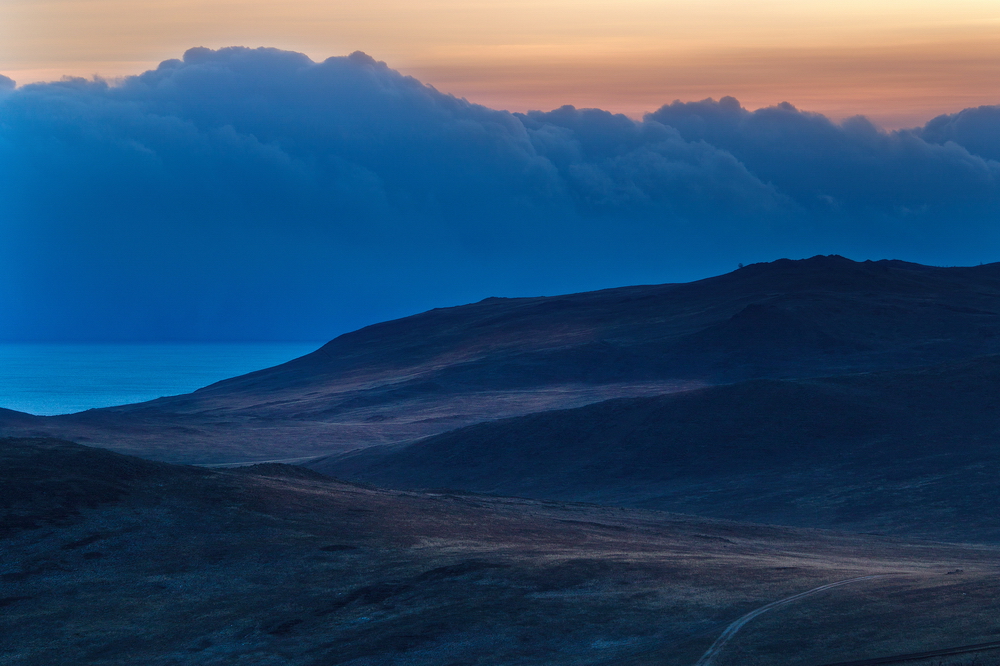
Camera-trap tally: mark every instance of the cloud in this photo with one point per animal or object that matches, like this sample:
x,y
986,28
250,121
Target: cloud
x,y
852,167
977,130
6,83
254,194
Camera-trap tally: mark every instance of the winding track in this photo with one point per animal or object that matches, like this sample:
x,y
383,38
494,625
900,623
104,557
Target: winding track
x,y
720,642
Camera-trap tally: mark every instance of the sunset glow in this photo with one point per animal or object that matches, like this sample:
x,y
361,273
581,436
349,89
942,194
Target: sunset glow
x,y
900,63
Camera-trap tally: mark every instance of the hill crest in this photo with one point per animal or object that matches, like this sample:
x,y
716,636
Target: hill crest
x,y
401,380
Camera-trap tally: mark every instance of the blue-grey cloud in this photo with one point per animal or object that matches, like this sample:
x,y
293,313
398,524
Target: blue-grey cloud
x,y
253,193
849,169
977,130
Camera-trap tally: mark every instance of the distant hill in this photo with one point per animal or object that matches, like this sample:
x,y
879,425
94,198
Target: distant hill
x,y
785,318
429,373
913,452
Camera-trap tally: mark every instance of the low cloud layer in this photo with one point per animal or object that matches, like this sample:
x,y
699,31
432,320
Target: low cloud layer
x,y
255,194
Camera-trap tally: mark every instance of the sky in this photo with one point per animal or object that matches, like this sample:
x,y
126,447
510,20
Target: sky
x,y
899,62
297,191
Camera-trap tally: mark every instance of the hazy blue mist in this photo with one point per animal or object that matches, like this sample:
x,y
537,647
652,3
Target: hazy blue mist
x,y
252,194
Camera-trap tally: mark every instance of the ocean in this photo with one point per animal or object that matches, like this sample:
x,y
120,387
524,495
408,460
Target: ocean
x,y
47,379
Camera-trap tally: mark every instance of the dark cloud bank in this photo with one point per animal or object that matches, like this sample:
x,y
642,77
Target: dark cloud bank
x,y
255,194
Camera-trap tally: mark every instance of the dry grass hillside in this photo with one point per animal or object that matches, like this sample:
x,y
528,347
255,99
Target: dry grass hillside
x,y
401,380
113,560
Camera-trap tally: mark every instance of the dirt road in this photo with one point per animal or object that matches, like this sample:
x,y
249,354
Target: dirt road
x,y
707,658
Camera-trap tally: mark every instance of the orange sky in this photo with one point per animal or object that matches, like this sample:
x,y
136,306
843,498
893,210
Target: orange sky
x,y
899,62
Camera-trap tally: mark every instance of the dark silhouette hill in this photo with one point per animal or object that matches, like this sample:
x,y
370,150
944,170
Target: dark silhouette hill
x,y
785,318
911,452
401,380
49,482
109,559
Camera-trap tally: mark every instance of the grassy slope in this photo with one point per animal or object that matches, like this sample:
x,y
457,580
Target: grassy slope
x,y
426,374
123,561
908,452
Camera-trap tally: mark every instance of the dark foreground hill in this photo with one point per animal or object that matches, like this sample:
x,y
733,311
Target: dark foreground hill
x,y
109,559
405,379
912,452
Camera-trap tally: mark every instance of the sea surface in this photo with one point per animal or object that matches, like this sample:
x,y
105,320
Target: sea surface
x,y
48,379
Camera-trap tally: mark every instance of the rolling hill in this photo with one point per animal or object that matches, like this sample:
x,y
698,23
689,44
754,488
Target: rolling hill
x,y
406,379
110,559
913,452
